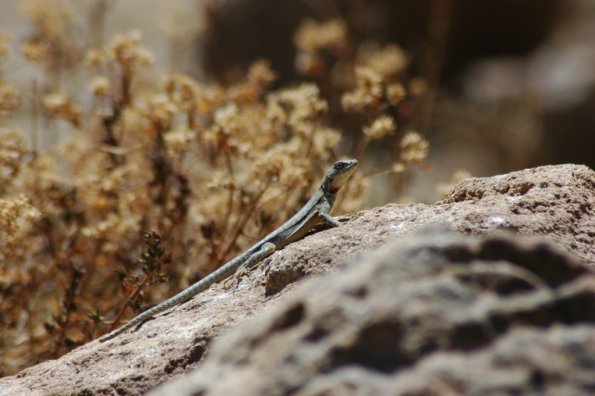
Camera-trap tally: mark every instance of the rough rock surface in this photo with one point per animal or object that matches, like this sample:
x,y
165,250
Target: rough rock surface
x,y
467,300
433,314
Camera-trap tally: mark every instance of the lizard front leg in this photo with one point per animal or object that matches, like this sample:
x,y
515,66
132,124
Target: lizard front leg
x,y
329,220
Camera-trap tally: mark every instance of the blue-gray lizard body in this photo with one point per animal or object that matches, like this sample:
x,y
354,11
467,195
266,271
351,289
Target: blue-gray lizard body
x,y
314,213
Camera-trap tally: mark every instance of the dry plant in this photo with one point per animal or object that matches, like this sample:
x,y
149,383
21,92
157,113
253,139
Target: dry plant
x,y
159,183
366,83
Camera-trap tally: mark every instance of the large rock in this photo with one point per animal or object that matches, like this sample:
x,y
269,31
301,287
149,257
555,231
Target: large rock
x,y
436,314
390,320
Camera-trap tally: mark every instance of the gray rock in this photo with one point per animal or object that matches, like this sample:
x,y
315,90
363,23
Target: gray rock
x,y
434,313
430,313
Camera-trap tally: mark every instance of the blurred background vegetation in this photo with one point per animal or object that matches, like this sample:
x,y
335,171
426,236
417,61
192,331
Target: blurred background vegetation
x,y
143,143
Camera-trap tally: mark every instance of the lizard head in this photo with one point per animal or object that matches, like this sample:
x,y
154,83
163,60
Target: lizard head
x,y
337,175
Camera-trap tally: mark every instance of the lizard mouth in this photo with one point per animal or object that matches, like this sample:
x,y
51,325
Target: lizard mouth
x,y
348,166
351,164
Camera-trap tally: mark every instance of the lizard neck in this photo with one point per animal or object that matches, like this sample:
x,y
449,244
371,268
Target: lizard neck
x,y
328,194
328,189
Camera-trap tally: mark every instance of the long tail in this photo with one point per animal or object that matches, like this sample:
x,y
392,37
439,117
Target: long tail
x,y
185,295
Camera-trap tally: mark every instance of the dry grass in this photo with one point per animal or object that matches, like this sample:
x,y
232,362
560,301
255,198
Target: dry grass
x,y
160,182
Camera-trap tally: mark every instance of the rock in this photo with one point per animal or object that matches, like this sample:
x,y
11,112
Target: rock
x,y
440,297
435,313
557,202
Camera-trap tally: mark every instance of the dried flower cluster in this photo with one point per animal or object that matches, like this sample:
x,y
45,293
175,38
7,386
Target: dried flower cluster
x,y
15,215
53,42
159,183
369,81
315,41
414,151
12,151
59,106
10,99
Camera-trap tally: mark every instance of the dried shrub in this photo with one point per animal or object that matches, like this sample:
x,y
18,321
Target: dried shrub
x,y
159,182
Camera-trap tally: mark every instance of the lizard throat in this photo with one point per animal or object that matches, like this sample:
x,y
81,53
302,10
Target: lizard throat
x,y
330,189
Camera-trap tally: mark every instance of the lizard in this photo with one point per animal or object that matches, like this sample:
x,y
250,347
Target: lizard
x,y
314,213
